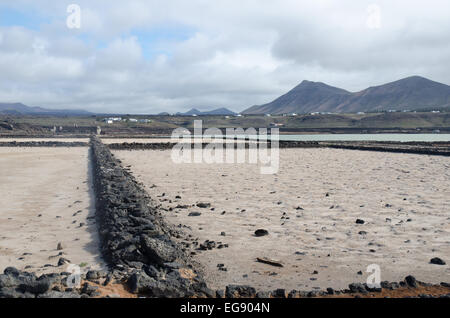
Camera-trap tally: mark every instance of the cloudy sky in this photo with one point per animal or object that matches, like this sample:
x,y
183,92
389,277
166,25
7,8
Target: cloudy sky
x,y
153,56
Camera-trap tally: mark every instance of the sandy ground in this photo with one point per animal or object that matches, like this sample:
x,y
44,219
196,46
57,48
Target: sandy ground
x,y
403,199
46,194
44,139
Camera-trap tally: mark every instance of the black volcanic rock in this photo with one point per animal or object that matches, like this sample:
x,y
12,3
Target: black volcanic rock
x,y
261,232
411,281
437,261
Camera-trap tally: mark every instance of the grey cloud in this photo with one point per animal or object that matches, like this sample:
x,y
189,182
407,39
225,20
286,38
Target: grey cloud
x,y
239,53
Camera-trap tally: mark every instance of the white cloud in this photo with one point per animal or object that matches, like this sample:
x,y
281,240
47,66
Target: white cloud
x,y
228,53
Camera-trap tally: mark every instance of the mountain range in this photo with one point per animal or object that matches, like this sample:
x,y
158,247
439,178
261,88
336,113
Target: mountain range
x,y
218,111
21,109
412,93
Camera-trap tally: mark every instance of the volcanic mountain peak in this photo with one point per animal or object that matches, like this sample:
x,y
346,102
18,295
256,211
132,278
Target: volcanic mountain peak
x,y
410,93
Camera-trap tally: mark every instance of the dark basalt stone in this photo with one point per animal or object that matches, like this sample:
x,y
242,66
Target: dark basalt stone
x,y
240,291
411,281
437,261
261,232
357,288
158,251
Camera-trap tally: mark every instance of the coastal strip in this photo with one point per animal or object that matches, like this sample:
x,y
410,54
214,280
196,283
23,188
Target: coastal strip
x,y
435,148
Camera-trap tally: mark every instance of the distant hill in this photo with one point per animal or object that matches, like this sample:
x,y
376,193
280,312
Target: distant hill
x,y
412,93
219,111
191,112
21,109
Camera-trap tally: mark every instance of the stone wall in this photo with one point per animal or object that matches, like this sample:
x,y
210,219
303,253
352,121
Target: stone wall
x,y
134,238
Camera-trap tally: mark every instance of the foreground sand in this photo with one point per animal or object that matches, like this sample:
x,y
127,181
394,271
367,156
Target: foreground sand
x,y
44,139
402,198
46,195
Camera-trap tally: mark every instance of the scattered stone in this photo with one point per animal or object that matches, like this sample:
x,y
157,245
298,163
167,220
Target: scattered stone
x,y
279,293
63,261
239,291
269,261
220,293
59,294
357,288
437,261
411,281
194,214
92,275
359,221
261,232
89,290
263,294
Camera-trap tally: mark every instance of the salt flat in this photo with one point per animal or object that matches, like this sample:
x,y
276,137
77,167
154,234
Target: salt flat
x,y
310,208
44,139
11,139
46,195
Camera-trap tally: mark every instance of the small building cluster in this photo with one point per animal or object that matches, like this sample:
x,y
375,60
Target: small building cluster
x,y
112,120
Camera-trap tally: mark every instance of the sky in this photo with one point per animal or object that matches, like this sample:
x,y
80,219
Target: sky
x,y
146,57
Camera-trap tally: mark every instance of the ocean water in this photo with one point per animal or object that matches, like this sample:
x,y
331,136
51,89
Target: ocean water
x,y
366,137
